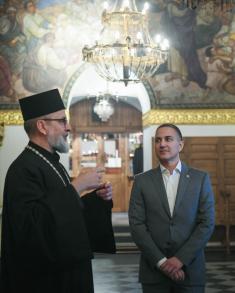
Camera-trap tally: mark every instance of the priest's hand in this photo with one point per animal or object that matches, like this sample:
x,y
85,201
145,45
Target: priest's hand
x,y
105,191
88,180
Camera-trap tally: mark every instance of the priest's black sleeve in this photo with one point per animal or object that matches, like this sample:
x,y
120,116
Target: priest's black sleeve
x,y
97,214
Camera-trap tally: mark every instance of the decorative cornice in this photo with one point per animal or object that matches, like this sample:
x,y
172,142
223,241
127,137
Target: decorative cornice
x,y
189,116
11,117
156,116
14,117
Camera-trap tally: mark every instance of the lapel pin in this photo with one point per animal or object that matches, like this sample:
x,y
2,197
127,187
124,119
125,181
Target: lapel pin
x,y
187,176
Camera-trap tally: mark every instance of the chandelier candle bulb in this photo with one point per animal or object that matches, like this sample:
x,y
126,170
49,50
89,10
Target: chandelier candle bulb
x,y
117,35
126,4
106,5
146,7
139,36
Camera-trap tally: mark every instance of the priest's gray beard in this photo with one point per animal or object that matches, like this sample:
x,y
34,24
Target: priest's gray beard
x,y
60,144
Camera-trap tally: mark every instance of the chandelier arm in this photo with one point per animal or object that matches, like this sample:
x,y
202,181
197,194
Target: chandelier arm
x,y
115,67
104,69
131,63
155,68
125,72
138,68
100,70
148,69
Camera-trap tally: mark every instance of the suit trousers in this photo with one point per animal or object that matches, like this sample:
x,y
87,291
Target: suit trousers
x,y
171,288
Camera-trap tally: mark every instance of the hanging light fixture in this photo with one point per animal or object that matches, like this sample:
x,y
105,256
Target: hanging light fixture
x,y
103,108
125,51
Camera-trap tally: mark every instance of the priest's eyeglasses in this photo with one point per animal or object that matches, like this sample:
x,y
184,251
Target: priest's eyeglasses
x,y
63,121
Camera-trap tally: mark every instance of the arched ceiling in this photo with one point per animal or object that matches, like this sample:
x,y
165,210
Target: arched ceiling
x,y
89,83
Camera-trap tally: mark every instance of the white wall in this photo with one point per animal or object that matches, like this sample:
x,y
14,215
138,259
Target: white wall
x,y
187,131
14,142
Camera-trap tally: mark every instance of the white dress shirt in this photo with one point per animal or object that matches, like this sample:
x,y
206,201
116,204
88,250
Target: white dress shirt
x,y
171,182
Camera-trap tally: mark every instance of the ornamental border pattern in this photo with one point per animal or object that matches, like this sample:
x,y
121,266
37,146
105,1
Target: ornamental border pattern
x,y
156,116
11,117
14,117
189,116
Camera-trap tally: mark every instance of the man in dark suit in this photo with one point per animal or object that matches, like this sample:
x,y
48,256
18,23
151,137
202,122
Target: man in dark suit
x,y
171,217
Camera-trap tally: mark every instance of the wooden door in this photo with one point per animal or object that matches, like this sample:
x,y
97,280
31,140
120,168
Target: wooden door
x,y
118,176
85,123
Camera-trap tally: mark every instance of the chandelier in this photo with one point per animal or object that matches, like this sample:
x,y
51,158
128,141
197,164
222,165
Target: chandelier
x,y
103,108
125,51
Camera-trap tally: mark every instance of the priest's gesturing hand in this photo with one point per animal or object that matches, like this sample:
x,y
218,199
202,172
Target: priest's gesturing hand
x,y
105,191
88,180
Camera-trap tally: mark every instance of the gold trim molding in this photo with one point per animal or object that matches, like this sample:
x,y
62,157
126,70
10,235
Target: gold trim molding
x,y
14,117
189,116
156,116
11,117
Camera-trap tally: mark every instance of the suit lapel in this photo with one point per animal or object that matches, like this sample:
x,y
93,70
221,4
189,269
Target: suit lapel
x,y
160,189
183,183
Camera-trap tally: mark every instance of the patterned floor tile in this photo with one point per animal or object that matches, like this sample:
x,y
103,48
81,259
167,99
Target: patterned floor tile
x,y
119,273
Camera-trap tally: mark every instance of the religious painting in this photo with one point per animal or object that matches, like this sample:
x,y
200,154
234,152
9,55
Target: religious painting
x,y
200,71
41,45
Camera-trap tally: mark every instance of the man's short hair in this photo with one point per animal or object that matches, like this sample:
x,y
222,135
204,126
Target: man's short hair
x,y
171,126
30,126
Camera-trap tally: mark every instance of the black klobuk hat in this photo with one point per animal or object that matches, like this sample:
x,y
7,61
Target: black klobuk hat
x,y
41,104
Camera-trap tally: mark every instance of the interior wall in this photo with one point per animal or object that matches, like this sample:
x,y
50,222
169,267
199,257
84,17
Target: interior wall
x,y
13,142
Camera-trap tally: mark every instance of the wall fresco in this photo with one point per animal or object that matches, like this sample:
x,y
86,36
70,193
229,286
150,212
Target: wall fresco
x,y
41,47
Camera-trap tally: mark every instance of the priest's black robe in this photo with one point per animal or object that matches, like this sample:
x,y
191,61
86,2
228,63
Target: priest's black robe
x,y
48,231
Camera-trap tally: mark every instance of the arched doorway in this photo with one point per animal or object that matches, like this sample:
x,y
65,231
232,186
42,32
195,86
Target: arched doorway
x,y
110,144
